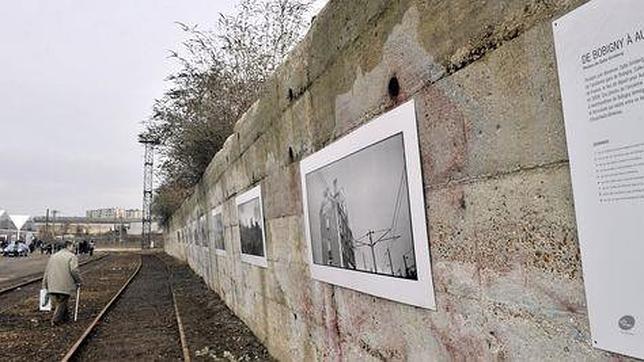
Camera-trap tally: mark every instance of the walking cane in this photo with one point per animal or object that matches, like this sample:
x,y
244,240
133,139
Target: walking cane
x,y
77,300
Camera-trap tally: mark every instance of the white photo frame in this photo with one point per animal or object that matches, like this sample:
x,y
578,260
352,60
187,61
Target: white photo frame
x,y
387,145
220,249
253,216
202,230
195,236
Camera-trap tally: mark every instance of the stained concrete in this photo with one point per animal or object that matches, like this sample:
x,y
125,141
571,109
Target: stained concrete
x,y
503,241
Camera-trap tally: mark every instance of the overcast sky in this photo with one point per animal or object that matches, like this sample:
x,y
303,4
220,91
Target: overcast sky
x,y
76,79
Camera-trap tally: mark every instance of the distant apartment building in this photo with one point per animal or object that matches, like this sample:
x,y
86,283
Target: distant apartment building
x,y
133,214
114,213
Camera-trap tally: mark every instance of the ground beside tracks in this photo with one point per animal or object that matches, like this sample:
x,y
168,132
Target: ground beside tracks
x,y
140,326
213,332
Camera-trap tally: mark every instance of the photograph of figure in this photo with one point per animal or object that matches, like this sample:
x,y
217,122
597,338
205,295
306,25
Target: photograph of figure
x,y
359,212
217,223
203,230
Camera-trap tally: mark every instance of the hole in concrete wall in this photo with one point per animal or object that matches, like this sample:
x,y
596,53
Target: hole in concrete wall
x,y
290,94
291,156
394,87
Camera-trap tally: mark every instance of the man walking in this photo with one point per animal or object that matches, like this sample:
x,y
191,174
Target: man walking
x,y
61,280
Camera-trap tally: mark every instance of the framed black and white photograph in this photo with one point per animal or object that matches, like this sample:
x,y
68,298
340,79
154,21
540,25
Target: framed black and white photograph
x,y
217,223
193,233
365,211
251,227
202,225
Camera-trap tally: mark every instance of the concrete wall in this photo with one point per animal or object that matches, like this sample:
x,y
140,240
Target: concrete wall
x,y
503,241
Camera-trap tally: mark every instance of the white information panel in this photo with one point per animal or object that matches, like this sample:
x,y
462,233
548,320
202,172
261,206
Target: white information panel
x,y
600,56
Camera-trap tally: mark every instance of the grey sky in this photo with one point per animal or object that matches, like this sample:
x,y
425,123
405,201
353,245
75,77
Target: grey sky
x,y
76,79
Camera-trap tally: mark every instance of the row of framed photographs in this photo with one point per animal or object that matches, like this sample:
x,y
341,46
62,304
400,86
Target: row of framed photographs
x,y
364,212
251,229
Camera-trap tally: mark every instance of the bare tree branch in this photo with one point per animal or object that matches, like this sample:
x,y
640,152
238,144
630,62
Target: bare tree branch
x,y
222,72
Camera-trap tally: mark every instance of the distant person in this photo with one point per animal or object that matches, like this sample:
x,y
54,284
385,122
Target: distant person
x,y
21,248
91,247
61,280
45,248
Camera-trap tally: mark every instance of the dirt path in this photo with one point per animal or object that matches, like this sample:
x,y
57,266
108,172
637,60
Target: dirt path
x,y
213,332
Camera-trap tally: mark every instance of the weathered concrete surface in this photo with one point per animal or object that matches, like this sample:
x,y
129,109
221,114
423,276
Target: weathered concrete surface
x,y
504,248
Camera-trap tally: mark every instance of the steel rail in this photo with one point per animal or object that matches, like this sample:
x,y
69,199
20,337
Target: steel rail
x,y
83,338
36,279
182,335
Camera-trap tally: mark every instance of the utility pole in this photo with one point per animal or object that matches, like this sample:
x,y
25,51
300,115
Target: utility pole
x,y
148,175
53,224
121,230
47,224
391,265
372,245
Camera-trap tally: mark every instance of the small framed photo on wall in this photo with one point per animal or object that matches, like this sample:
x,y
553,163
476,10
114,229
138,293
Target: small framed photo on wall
x,y
202,225
251,227
217,223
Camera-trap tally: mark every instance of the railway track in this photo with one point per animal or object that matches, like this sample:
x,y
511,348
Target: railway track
x,y
25,333
141,321
129,311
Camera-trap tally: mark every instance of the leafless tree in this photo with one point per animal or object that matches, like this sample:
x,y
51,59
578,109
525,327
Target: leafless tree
x,y
222,73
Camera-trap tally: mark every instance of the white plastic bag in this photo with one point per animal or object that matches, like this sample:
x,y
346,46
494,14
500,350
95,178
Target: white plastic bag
x,y
41,303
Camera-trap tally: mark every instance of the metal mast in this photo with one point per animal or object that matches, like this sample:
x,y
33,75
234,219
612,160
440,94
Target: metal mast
x,y
148,174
